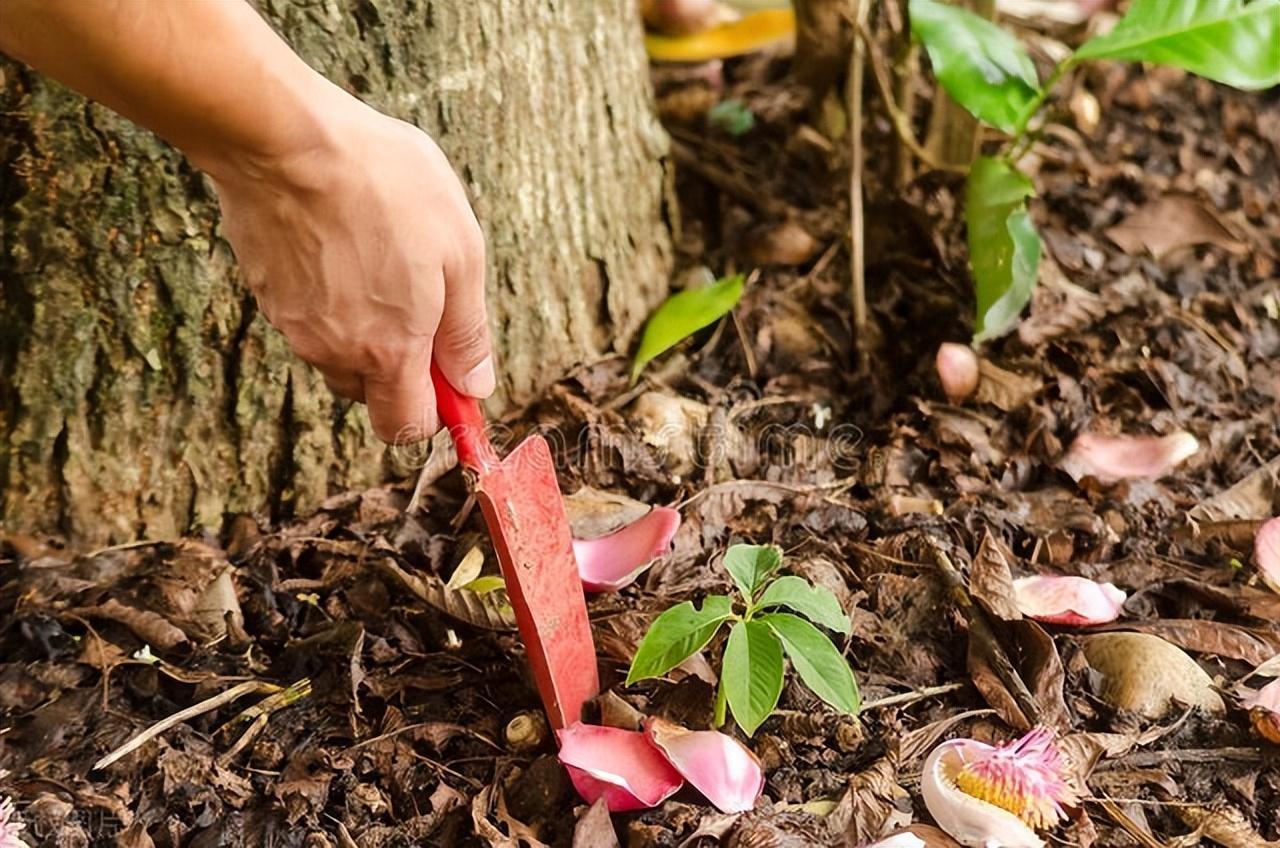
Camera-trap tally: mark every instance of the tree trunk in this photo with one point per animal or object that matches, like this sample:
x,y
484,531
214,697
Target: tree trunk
x,y
140,392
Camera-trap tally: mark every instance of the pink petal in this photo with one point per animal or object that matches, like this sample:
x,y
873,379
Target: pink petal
x,y
1264,710
1266,698
1068,600
1110,459
957,366
611,562
1266,552
618,765
718,766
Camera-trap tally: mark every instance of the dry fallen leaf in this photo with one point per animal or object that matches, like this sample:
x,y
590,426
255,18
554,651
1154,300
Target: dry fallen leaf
x,y
1249,499
1147,675
1007,390
1224,824
1266,553
787,243
1170,222
595,828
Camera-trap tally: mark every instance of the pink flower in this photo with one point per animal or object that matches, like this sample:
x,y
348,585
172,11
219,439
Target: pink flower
x,y
1069,600
1266,552
996,796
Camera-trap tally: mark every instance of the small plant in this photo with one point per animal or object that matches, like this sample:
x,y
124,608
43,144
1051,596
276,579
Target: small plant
x,y
988,72
751,672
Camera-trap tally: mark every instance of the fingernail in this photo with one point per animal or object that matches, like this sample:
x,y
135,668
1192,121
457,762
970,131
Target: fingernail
x,y
481,380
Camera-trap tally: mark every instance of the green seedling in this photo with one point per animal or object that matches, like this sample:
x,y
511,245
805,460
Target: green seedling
x,y
989,72
771,616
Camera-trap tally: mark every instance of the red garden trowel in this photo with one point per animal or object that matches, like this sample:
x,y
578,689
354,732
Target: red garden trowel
x,y
521,502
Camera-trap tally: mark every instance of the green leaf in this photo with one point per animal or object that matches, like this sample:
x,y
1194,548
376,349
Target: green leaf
x,y
1229,41
732,115
984,69
678,634
1004,248
486,583
751,565
822,668
682,315
752,673
816,603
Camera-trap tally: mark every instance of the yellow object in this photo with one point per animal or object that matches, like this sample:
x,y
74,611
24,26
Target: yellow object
x,y
749,33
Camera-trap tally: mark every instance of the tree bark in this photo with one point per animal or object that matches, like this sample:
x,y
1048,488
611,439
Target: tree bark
x,y
141,394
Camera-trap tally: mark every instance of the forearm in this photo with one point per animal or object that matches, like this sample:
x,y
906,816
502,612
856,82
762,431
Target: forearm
x,y
209,76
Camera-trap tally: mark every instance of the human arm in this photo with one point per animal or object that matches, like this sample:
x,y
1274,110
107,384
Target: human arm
x,y
349,226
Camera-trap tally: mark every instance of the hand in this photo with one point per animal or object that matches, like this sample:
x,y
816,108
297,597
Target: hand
x,y
363,250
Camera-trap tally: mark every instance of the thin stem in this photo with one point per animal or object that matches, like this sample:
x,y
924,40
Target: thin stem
x,y
1038,101
900,120
857,263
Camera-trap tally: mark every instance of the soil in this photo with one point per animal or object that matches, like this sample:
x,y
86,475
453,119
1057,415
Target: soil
x,y
843,451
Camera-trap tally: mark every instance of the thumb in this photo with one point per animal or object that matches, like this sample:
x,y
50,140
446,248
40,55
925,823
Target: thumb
x,y
462,348
402,404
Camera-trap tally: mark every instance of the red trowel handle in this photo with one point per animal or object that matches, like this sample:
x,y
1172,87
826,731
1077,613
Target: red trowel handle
x,y
462,415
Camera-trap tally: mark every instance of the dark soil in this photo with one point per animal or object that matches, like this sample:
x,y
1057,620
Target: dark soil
x,y
854,463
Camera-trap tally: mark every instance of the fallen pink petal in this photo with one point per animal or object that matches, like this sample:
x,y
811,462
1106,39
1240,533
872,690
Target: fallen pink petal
x,y
1264,710
957,366
613,562
1110,459
1076,601
997,795
620,766
10,826
1266,552
717,765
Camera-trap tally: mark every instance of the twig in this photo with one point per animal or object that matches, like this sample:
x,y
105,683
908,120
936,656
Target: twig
x,y
857,227
729,183
277,701
906,70
789,488
261,713
1161,759
900,120
207,705
913,696
1120,817
980,629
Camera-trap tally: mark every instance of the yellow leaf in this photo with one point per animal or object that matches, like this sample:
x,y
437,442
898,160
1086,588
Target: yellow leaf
x,y
468,569
745,35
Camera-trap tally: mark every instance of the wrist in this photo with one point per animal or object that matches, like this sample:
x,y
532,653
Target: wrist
x,y
294,122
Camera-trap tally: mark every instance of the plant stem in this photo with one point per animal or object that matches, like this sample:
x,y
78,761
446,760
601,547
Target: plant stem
x,y
1034,107
722,701
857,244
